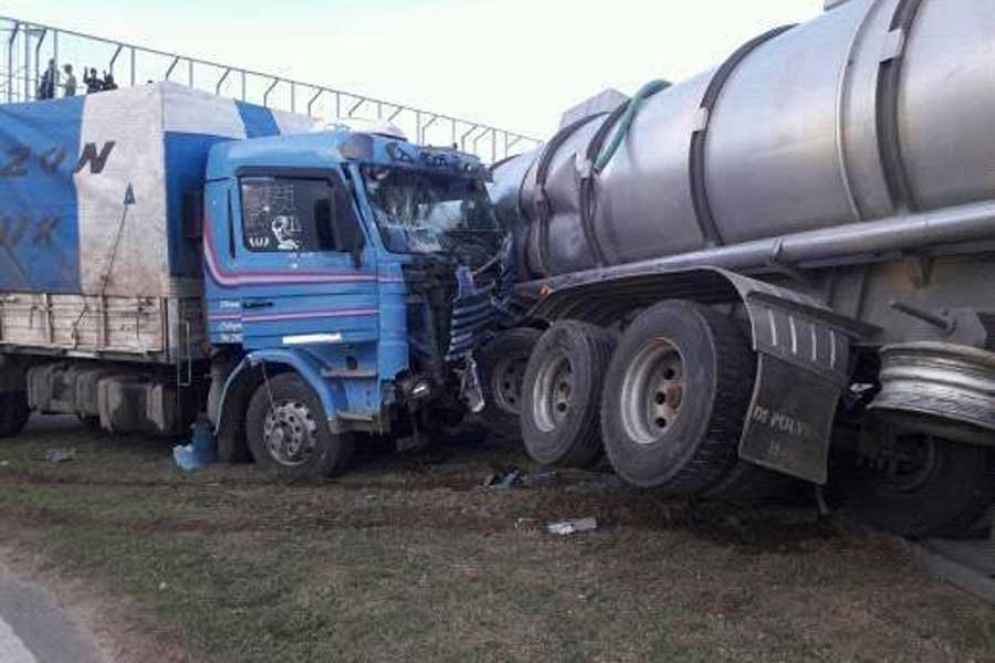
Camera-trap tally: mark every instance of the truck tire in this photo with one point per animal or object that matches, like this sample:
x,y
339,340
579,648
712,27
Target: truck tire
x,y
501,365
675,398
288,431
561,395
935,488
14,413
748,482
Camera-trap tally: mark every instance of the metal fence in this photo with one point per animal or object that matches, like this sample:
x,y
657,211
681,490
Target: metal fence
x,y
28,48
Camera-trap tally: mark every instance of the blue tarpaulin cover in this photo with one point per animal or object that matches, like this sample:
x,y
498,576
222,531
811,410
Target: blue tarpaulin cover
x,y
70,167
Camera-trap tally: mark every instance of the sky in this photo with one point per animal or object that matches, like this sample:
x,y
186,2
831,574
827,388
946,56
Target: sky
x,y
514,64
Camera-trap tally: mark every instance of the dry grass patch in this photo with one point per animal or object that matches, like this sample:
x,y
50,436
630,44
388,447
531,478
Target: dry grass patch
x,y
408,559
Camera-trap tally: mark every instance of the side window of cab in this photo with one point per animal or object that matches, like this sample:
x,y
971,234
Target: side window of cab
x,y
287,214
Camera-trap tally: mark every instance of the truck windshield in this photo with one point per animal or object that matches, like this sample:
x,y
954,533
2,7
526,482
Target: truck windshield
x,y
420,212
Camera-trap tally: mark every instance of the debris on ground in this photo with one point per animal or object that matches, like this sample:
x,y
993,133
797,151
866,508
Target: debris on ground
x,y
60,455
184,458
503,480
576,526
202,450
391,533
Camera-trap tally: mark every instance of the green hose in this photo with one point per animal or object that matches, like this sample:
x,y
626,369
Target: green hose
x,y
625,123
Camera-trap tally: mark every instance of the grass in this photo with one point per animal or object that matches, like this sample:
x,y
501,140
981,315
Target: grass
x,y
408,559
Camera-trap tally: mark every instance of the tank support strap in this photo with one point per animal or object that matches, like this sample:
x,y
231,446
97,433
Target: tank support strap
x,y
540,202
889,87
588,185
699,190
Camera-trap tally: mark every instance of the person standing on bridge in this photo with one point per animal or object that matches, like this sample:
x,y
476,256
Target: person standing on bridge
x,y
46,86
93,84
69,87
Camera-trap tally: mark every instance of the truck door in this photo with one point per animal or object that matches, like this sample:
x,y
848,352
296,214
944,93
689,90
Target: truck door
x,y
306,274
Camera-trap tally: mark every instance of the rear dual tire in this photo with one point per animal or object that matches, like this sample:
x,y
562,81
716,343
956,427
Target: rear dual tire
x,y
668,400
675,399
561,392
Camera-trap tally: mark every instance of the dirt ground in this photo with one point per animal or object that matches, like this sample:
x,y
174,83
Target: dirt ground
x,y
409,558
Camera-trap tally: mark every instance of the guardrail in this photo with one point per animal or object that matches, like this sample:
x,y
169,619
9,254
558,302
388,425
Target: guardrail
x,y
29,46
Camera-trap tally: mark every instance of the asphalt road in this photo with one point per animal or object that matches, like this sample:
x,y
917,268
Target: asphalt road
x,y
34,629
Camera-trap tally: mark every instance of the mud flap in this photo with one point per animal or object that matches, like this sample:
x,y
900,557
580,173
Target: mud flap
x,y
789,421
803,358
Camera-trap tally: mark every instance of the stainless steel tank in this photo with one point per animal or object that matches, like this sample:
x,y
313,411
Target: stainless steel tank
x,y
875,108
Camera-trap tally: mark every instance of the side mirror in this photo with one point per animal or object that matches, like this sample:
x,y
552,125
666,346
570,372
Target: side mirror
x,y
357,255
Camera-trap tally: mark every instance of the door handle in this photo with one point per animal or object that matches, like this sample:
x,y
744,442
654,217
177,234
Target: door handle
x,y
257,303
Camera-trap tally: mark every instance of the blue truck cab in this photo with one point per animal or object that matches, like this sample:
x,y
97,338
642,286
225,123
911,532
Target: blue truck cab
x,y
168,255
338,272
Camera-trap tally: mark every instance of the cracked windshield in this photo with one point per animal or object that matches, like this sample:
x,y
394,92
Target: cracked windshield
x,y
420,212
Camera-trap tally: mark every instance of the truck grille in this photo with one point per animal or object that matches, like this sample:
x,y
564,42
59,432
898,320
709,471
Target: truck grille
x,y
473,313
445,319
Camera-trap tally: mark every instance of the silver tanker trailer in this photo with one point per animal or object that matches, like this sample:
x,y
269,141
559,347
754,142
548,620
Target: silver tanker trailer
x,y
783,267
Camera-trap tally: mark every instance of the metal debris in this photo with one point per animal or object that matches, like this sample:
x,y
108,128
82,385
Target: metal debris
x,y
499,481
60,455
568,527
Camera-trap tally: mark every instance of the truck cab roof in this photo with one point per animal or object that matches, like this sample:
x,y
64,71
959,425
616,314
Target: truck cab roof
x,y
329,149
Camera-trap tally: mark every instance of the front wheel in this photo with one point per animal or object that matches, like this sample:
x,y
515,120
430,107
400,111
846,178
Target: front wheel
x,y
14,413
288,431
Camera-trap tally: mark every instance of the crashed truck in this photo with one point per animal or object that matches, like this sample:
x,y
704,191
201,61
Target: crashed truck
x,y
168,255
781,268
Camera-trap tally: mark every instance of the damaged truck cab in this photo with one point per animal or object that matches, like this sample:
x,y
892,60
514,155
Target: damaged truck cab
x,y
332,266
209,259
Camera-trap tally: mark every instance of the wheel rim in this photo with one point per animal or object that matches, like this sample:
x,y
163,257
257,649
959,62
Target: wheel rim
x,y
653,391
506,384
553,393
290,433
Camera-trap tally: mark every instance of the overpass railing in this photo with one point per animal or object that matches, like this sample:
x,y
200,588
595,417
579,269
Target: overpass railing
x,y
29,46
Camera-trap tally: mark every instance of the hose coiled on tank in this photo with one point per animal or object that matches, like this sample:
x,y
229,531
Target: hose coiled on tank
x,y
599,156
596,160
631,108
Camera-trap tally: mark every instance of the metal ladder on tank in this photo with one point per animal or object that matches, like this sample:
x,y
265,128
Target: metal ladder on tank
x,y
28,46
